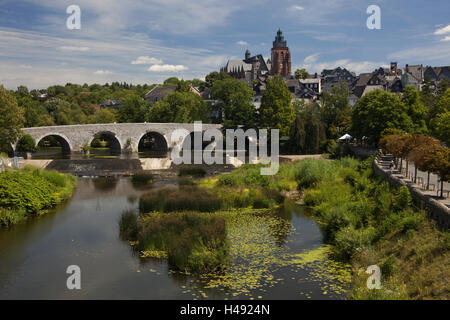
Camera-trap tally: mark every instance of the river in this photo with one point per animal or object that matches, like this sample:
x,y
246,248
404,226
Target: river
x,y
84,231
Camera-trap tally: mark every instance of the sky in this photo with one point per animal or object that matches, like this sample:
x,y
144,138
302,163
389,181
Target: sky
x,y
148,41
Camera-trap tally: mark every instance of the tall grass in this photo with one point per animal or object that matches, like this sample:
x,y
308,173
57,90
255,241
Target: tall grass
x,y
193,242
185,199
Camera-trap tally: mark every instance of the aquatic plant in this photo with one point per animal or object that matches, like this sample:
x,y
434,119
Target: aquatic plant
x,y
142,177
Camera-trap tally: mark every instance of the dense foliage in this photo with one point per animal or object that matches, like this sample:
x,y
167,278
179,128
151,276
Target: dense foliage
x,y
29,191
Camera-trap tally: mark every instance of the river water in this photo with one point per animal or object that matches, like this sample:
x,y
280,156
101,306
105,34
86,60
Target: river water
x,y
84,231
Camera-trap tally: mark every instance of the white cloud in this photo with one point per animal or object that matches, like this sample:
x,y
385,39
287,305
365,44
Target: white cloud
x,y
168,16
296,8
147,60
167,68
447,38
436,53
443,30
353,66
242,43
311,58
102,72
71,48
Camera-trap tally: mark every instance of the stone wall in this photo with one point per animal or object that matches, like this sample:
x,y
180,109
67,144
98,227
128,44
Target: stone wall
x,y
436,210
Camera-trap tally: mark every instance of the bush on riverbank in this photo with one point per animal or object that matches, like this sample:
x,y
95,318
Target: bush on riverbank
x,y
30,191
191,241
142,177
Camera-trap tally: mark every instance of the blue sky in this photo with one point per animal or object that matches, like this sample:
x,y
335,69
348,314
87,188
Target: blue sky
x,y
149,41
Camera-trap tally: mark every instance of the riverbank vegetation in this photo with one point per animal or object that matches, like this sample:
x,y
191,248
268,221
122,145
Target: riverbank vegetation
x,y
369,223
363,220
142,178
31,192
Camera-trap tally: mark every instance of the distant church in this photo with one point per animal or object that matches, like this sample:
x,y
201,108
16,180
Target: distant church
x,y
256,68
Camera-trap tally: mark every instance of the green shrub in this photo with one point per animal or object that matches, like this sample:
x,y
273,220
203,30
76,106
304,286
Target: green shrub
x,y
387,267
349,240
30,191
191,171
402,200
142,177
26,144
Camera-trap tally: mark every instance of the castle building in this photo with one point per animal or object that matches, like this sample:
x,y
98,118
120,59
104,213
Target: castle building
x,y
281,57
255,67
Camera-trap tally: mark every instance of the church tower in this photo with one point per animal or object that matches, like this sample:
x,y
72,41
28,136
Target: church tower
x,y
281,57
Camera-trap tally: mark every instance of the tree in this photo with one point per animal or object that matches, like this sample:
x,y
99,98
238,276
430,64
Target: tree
x,y
172,81
26,144
441,127
213,77
132,109
376,112
422,146
301,74
307,130
276,111
234,98
335,109
417,110
180,107
11,119
104,116
437,160
35,113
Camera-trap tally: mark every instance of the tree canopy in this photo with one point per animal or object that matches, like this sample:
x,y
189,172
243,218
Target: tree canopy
x,y
235,98
276,111
180,107
377,111
11,119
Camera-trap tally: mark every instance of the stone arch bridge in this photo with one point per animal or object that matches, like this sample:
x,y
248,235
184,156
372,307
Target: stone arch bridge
x,y
74,137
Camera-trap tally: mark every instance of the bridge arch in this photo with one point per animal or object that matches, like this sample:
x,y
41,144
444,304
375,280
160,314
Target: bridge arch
x,y
66,146
153,141
115,145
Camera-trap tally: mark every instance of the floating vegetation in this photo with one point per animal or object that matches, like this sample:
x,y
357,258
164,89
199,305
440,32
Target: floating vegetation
x,y
257,256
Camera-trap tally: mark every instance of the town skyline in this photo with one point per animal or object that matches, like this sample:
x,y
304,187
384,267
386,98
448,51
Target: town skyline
x,y
189,41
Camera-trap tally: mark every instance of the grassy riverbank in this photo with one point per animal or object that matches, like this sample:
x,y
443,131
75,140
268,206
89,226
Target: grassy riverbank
x,y
368,223
31,192
364,222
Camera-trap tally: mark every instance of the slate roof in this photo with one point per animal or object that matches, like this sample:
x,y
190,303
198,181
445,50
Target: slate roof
x,y
158,93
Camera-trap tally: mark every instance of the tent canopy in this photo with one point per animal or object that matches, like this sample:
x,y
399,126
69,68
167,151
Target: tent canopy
x,y
345,137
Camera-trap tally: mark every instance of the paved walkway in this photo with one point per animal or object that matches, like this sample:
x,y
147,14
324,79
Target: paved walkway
x,y
421,182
